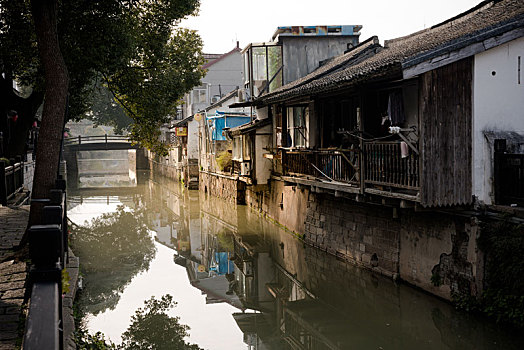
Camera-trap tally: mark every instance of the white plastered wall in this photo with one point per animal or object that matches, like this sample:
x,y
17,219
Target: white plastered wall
x,y
498,105
192,139
263,165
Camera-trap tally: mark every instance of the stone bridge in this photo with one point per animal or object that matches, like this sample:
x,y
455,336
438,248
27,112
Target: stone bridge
x,y
77,150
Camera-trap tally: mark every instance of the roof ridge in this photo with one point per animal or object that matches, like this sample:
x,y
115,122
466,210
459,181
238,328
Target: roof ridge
x,y
450,22
221,57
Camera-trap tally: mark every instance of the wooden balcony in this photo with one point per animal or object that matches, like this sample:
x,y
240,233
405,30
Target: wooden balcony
x,y
384,166
334,165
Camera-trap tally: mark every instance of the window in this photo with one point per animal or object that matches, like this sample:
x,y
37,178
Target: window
x,y
263,68
296,126
200,94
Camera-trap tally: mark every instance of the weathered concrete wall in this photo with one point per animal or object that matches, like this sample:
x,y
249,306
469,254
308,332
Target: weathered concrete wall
x,y
434,251
306,53
439,253
142,162
222,186
167,170
186,171
285,204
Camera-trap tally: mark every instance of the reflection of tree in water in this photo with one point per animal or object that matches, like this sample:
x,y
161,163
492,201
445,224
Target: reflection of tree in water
x,y
114,248
152,328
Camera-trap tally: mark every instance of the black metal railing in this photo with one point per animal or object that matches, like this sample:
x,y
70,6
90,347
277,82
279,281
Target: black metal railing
x,y
11,179
48,245
79,140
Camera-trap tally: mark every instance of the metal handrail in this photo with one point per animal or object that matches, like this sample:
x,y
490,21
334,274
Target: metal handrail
x,y
78,140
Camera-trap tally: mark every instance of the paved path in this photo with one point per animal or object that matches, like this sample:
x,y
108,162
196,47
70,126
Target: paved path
x,y
13,276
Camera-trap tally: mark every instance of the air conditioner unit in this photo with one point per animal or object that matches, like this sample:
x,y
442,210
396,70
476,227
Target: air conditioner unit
x,y
245,168
215,99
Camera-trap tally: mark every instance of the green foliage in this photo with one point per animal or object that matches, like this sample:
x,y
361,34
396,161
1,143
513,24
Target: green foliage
x,y
503,298
503,243
134,48
436,280
114,248
65,282
225,240
225,161
97,341
106,111
152,328
6,161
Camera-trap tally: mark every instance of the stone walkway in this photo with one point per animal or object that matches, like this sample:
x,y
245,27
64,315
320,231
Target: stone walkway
x,y
13,276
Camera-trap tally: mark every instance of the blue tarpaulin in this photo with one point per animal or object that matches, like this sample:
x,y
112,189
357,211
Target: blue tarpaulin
x,y
221,120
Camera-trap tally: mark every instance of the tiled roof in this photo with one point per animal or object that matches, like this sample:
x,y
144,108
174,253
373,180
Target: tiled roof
x,y
484,20
220,58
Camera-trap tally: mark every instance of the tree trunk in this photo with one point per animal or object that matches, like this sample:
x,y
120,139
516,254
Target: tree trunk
x,y
56,87
15,133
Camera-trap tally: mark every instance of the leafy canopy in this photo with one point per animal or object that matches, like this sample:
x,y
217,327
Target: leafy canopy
x,y
134,48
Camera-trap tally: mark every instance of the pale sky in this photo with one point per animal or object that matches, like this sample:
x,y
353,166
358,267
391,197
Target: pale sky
x,y
222,22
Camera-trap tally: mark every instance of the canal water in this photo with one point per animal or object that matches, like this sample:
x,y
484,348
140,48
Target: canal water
x,y
241,282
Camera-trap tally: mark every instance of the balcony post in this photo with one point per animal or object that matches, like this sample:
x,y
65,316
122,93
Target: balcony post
x,y
360,128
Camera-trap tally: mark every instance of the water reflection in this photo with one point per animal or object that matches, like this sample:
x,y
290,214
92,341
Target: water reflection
x,y
152,328
115,168
282,294
114,247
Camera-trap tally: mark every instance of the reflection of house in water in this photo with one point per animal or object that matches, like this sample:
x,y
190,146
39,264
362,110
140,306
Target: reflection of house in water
x,y
306,299
176,218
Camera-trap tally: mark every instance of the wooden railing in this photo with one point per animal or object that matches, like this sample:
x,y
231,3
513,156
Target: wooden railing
x,y
382,161
11,179
385,166
336,165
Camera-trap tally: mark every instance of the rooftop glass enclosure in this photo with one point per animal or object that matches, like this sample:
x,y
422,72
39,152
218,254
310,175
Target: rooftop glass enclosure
x,y
262,68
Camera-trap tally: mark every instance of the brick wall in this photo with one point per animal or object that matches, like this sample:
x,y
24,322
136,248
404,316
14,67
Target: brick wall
x,y
365,234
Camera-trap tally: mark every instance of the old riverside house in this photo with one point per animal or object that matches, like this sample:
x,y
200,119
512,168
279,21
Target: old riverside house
x,y
387,155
